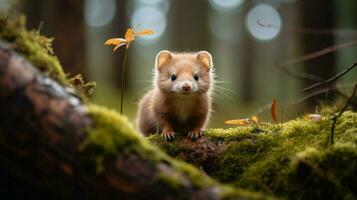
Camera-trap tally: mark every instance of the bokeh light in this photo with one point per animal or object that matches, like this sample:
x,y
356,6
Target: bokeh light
x,y
265,14
151,2
98,13
226,5
149,17
224,27
4,5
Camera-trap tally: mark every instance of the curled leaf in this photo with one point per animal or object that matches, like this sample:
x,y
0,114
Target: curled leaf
x,y
117,42
274,111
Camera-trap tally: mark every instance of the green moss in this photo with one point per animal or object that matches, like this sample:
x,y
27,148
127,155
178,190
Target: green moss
x,y
268,158
327,174
87,89
111,133
267,169
34,46
228,193
172,148
172,179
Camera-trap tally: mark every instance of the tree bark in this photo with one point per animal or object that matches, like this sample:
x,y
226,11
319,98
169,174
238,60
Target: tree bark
x,y
318,14
41,129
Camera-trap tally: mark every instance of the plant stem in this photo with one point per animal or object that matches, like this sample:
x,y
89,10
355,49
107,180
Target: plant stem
x,y
122,81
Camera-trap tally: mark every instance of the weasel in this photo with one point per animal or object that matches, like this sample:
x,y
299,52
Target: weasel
x,y
181,99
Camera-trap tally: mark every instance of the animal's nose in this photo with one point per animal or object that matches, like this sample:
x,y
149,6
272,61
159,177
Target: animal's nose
x,y
186,87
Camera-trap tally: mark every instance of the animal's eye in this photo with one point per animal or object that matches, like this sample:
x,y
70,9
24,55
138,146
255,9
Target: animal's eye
x,y
173,77
196,77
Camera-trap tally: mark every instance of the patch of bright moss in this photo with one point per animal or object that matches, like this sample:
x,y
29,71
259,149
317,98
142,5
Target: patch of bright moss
x,y
172,148
34,46
264,160
323,174
112,133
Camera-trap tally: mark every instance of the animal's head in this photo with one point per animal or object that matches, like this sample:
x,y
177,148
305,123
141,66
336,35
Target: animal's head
x,y
184,73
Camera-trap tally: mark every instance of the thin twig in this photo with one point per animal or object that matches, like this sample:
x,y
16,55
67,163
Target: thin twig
x,y
330,80
318,53
304,98
335,118
122,81
301,76
333,88
311,31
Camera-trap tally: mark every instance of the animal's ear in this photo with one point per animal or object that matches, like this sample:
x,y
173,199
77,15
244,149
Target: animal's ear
x,y
205,58
161,58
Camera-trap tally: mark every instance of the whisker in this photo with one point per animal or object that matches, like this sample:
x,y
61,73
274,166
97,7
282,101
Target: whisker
x,y
140,93
225,89
219,93
223,82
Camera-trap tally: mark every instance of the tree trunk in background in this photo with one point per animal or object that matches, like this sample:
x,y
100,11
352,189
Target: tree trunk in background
x,y
120,24
68,29
63,20
33,10
246,75
188,28
318,14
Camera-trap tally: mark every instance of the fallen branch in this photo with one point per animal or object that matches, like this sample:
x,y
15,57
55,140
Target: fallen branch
x,y
324,90
301,76
330,80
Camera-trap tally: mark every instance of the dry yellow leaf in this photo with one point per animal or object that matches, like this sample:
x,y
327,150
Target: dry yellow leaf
x,y
117,42
129,37
237,122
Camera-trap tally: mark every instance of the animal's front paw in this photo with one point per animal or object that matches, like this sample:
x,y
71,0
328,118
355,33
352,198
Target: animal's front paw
x,y
194,134
168,135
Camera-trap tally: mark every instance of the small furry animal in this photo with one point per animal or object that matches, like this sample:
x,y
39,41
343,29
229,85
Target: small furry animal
x,y
181,99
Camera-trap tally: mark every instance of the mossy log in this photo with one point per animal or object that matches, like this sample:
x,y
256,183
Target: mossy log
x,y
58,147
293,160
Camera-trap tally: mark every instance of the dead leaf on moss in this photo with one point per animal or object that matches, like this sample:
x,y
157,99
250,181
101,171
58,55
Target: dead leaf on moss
x,y
313,117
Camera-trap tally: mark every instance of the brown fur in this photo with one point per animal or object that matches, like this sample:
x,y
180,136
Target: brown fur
x,y
166,106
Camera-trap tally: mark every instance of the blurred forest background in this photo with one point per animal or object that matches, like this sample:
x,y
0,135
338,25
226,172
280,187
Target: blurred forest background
x,y
247,38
